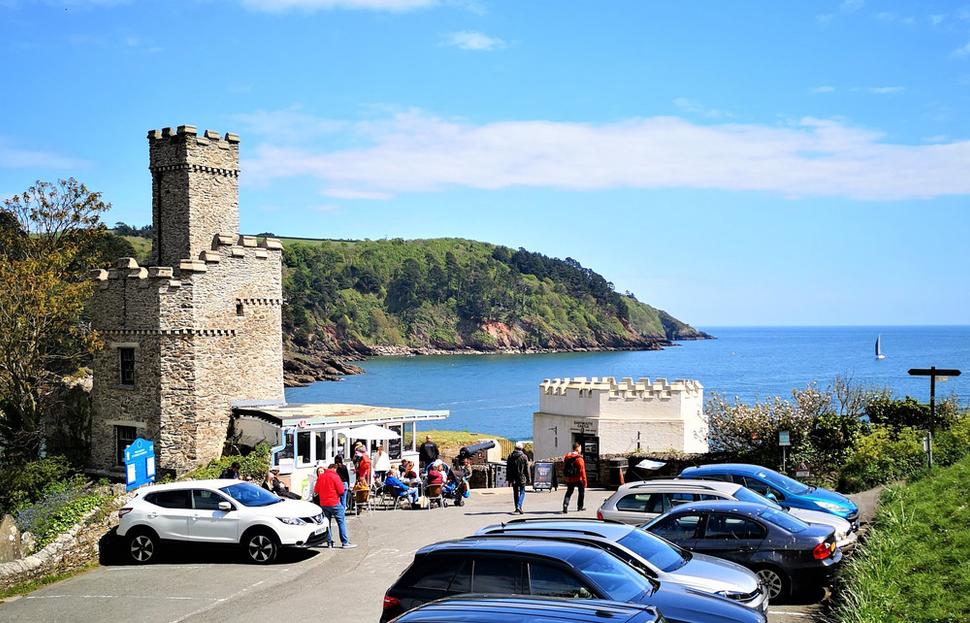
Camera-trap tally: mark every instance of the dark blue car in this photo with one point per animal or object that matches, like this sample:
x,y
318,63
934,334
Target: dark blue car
x,y
490,609
548,568
788,492
785,552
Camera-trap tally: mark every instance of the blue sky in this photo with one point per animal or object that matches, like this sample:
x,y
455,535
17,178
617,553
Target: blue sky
x,y
734,163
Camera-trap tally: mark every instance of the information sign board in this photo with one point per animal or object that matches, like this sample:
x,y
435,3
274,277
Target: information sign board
x,y
139,463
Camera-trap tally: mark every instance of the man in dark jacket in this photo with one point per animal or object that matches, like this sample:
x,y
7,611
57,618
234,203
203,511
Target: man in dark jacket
x,y
574,472
517,473
427,453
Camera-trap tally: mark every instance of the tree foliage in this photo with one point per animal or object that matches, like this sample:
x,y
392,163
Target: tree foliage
x,y
442,292
50,237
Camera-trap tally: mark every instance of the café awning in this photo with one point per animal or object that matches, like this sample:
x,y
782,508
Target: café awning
x,y
371,432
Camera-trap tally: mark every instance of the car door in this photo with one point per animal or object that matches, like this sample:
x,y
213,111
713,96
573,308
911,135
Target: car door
x,y
498,575
640,507
732,537
169,513
208,523
547,580
681,528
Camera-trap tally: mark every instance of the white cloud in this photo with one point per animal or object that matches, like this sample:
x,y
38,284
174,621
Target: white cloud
x,y
14,157
348,193
823,89
416,152
289,125
897,19
851,6
882,90
696,108
936,20
327,208
394,6
471,40
963,51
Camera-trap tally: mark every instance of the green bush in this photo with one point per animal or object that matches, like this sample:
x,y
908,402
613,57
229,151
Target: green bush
x,y
26,483
882,455
952,445
252,466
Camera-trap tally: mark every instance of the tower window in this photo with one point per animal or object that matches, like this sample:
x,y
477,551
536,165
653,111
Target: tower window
x,y
124,437
126,366
239,309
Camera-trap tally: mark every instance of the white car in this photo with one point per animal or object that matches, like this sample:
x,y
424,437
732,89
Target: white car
x,y
218,511
640,501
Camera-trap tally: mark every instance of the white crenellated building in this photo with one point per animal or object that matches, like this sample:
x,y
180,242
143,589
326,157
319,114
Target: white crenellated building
x,y
611,417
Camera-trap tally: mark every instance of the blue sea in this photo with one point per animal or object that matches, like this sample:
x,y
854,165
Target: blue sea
x,y
496,394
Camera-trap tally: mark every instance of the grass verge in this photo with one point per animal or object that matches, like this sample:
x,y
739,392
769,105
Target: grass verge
x,y
32,585
914,565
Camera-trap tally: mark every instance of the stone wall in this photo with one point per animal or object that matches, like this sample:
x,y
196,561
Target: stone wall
x,y
77,548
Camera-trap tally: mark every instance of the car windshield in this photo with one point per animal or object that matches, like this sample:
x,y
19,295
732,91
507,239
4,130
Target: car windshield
x,y
619,581
745,494
250,495
783,519
789,485
661,554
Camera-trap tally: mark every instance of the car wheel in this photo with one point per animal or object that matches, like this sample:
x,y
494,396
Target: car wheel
x,y
774,581
261,547
142,546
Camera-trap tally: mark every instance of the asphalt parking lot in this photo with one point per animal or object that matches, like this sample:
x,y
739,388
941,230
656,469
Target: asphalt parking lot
x,y
212,585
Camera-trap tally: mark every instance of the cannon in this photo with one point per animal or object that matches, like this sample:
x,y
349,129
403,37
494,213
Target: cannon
x,y
467,452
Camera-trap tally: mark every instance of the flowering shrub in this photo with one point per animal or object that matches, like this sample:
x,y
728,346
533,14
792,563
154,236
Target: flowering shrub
x,y
61,506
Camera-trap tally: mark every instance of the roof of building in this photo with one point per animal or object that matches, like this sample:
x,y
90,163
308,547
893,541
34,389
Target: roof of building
x,y
335,414
625,384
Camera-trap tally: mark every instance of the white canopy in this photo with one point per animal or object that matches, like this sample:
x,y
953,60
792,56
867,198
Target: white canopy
x,y
648,464
371,432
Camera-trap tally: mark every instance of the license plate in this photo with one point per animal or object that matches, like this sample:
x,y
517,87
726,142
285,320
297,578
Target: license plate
x,y
319,531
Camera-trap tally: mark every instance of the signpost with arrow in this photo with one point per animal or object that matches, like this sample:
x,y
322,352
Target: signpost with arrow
x,y
933,372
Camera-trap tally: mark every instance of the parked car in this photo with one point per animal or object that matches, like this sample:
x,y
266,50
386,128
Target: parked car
x,y
648,553
548,568
779,488
784,551
229,512
491,609
640,501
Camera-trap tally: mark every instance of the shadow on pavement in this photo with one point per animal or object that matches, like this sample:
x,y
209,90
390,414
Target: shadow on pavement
x,y
111,553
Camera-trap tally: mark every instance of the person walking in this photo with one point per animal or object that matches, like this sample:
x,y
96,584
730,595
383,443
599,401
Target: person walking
x,y
517,473
330,489
574,473
427,453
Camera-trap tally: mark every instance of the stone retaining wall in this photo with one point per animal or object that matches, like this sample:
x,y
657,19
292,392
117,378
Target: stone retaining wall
x,y
75,549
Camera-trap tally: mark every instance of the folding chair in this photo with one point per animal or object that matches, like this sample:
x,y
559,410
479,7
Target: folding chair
x,y
433,493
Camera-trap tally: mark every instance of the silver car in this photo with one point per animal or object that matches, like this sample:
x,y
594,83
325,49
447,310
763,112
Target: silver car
x,y
650,554
641,501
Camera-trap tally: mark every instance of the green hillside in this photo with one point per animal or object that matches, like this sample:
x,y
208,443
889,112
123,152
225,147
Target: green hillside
x,y
446,294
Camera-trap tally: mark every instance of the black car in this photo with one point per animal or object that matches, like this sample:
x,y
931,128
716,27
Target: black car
x,y
547,568
491,609
785,552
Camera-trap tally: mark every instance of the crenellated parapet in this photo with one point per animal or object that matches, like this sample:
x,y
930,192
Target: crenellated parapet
x,y
626,388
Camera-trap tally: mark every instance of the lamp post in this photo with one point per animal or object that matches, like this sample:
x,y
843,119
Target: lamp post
x,y
932,372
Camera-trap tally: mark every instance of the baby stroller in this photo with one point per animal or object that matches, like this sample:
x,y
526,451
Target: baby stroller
x,y
456,491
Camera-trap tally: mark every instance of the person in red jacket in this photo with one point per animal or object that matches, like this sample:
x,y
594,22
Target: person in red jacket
x,y
363,466
574,472
330,489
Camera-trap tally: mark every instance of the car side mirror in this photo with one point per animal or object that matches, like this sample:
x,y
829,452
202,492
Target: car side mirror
x,y
225,506
771,496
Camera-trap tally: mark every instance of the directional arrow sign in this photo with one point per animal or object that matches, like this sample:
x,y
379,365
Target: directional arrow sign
x,y
933,372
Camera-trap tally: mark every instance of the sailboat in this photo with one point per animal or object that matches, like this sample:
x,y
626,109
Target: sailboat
x,y
879,354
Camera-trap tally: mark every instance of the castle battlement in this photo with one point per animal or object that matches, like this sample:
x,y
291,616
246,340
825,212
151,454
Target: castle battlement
x,y
626,388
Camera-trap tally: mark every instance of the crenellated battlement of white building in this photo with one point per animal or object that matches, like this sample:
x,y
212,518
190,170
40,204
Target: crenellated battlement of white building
x,y
626,388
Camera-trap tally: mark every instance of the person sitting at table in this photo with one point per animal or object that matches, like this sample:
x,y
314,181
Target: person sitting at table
x,y
399,488
435,474
408,473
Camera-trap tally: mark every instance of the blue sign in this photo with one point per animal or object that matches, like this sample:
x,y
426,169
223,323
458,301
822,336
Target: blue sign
x,y
139,463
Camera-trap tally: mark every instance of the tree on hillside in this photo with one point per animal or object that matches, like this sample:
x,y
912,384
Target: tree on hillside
x,y
43,293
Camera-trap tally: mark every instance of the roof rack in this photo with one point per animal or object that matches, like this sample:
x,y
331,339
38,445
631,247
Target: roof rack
x,y
563,519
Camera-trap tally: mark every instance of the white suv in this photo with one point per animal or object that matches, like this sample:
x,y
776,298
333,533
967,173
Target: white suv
x,y
218,511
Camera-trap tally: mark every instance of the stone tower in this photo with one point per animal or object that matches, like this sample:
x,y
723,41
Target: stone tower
x,y
199,329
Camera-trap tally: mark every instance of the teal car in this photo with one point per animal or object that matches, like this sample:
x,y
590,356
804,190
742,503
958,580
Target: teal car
x,y
786,491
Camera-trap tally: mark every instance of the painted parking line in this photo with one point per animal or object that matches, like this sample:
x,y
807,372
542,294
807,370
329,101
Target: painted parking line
x,y
238,593
155,597
789,613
